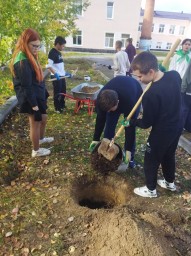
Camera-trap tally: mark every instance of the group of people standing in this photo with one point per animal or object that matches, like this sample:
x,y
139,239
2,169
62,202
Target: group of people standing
x,y
117,97
122,59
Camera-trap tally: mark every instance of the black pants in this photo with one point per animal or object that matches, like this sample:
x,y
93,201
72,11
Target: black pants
x,y
160,149
59,86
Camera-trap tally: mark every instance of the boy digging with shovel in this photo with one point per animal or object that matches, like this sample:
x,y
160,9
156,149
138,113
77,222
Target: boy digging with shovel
x,y
161,111
117,97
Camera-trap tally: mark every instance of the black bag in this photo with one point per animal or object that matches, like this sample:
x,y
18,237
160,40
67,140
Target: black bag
x,y
37,116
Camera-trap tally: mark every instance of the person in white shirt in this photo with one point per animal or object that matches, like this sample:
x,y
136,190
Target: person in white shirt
x,y
56,67
180,61
121,64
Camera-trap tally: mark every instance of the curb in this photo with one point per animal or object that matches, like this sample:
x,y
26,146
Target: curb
x,y
185,144
6,108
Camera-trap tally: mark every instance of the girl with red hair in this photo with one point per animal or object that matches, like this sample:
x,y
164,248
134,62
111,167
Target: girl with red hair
x,y
30,88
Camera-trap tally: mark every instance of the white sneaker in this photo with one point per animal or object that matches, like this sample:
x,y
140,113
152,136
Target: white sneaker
x,y
41,152
165,184
145,192
46,140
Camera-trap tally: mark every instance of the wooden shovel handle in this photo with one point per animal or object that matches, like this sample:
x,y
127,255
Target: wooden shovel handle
x,y
133,110
171,52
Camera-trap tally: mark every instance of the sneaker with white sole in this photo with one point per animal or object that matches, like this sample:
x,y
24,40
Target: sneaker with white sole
x,y
168,185
41,152
46,140
145,192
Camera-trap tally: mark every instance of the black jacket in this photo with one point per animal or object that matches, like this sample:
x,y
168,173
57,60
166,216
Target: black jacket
x,y
26,86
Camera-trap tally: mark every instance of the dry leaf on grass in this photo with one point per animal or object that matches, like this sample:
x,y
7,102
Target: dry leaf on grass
x,y
186,196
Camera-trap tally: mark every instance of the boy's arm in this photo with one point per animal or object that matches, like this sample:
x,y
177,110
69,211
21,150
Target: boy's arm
x,y
116,63
50,66
150,112
127,63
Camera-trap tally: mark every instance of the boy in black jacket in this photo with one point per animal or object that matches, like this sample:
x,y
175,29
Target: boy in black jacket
x,y
161,111
117,97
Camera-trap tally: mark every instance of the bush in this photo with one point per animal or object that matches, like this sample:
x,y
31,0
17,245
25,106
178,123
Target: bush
x,y
6,85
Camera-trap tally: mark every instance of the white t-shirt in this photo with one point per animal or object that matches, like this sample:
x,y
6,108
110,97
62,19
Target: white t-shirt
x,y
121,64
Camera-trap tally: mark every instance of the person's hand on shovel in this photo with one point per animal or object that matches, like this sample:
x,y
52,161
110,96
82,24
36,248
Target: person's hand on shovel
x,y
126,156
93,145
57,76
125,123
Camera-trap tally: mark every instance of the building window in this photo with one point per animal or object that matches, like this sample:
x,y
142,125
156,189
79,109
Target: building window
x,y
110,10
124,38
77,39
140,26
172,29
153,26
161,28
78,5
159,44
168,46
181,30
109,39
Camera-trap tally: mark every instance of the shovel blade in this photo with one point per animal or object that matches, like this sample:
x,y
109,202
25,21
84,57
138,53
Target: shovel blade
x,y
106,151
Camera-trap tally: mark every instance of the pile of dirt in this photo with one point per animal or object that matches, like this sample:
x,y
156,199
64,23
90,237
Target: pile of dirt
x,y
89,89
100,164
125,228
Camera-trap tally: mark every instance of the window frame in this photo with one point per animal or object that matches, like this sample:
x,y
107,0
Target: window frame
x,y
161,28
77,37
110,9
110,39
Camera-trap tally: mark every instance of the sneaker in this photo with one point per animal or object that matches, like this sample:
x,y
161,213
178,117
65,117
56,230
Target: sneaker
x,y
145,192
41,152
132,164
46,140
165,184
59,111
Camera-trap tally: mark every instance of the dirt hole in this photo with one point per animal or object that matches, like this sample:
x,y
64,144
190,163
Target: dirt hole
x,y
100,192
94,204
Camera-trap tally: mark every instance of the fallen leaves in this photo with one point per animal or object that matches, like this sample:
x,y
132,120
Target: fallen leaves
x,y
8,234
187,196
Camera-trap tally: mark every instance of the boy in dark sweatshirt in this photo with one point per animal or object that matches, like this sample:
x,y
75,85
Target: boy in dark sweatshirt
x,y
117,97
162,112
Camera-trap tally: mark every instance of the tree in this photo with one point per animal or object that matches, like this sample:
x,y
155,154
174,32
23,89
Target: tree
x,y
49,18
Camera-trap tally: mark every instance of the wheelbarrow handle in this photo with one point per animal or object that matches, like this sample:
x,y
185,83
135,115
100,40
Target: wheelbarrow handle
x,y
133,110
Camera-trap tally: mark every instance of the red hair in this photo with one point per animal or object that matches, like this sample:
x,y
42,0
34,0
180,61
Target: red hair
x,y
26,37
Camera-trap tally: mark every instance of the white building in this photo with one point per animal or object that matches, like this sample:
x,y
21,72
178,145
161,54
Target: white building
x,y
105,21
167,27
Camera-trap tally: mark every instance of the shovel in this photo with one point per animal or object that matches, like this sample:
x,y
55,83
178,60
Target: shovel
x,y
107,148
62,77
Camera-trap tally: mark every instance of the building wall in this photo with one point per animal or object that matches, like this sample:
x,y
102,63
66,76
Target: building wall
x,y
94,23
166,37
